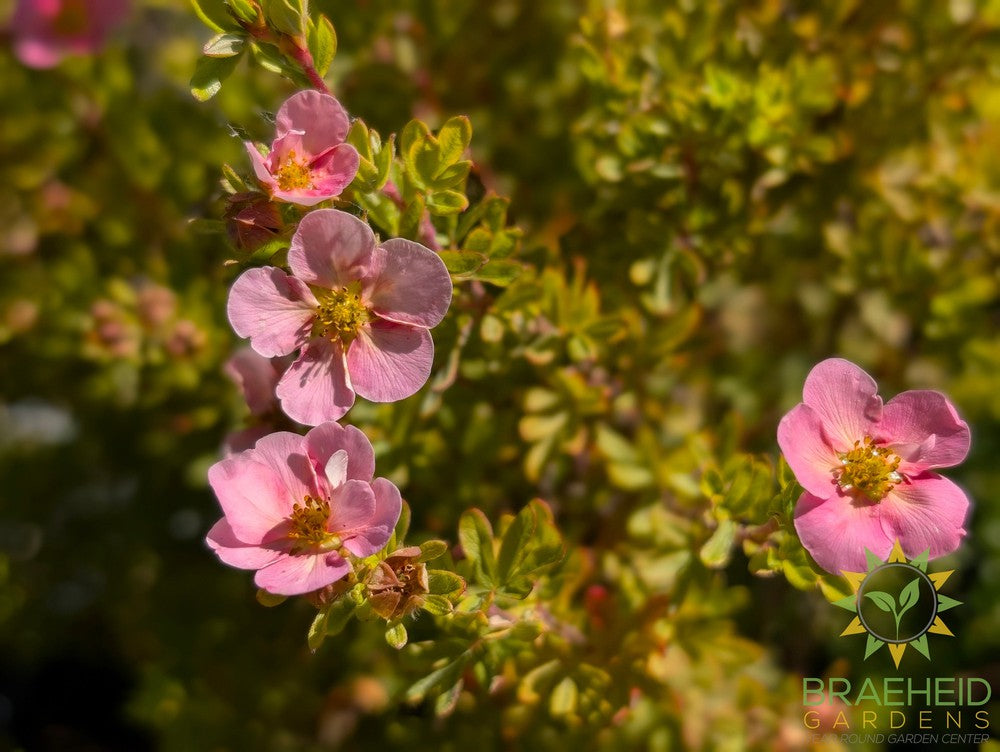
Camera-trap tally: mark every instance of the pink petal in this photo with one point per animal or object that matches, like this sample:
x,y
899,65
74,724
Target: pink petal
x,y
924,429
334,169
808,453
331,249
302,197
319,116
352,506
234,552
846,400
836,531
926,512
260,166
377,531
294,574
256,376
409,284
390,361
285,453
252,496
282,148
315,389
324,440
271,308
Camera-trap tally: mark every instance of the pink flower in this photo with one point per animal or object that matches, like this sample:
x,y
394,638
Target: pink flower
x,y
359,312
298,507
44,31
867,468
309,161
257,377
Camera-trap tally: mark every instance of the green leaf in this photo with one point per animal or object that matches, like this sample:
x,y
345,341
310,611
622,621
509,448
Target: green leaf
x,y
437,605
453,139
357,136
446,676
287,16
883,600
525,631
452,175
446,202
224,45
499,273
243,9
564,698
717,549
443,582
432,549
322,40
476,536
270,600
213,14
447,700
317,630
209,74
382,210
462,262
383,159
396,636
909,596
339,614
411,218
515,544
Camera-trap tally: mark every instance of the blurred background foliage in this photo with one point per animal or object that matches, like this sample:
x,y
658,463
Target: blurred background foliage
x,y
713,197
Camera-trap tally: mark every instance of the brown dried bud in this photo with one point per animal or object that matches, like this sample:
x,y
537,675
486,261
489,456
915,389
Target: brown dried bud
x,y
252,220
397,586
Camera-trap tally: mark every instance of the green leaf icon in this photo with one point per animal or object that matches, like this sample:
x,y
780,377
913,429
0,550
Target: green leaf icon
x,y
883,600
908,598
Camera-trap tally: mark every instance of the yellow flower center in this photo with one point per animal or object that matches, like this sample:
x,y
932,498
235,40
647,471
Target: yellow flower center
x,y
869,470
340,315
294,175
308,524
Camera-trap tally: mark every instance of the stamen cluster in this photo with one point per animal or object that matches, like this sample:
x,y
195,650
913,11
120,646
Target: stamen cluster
x,y
340,315
309,520
868,469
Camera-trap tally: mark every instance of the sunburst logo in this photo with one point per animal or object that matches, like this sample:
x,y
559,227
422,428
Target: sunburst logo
x,y
897,603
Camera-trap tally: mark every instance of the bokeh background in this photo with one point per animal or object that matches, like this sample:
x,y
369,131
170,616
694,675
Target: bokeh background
x,y
714,196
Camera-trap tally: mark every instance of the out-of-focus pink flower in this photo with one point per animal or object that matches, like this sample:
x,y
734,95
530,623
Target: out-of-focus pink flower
x,y
45,31
359,312
309,161
257,377
298,507
867,468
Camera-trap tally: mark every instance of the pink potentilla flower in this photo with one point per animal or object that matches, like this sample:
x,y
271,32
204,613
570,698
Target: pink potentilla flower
x,y
309,161
44,31
298,507
867,468
359,312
